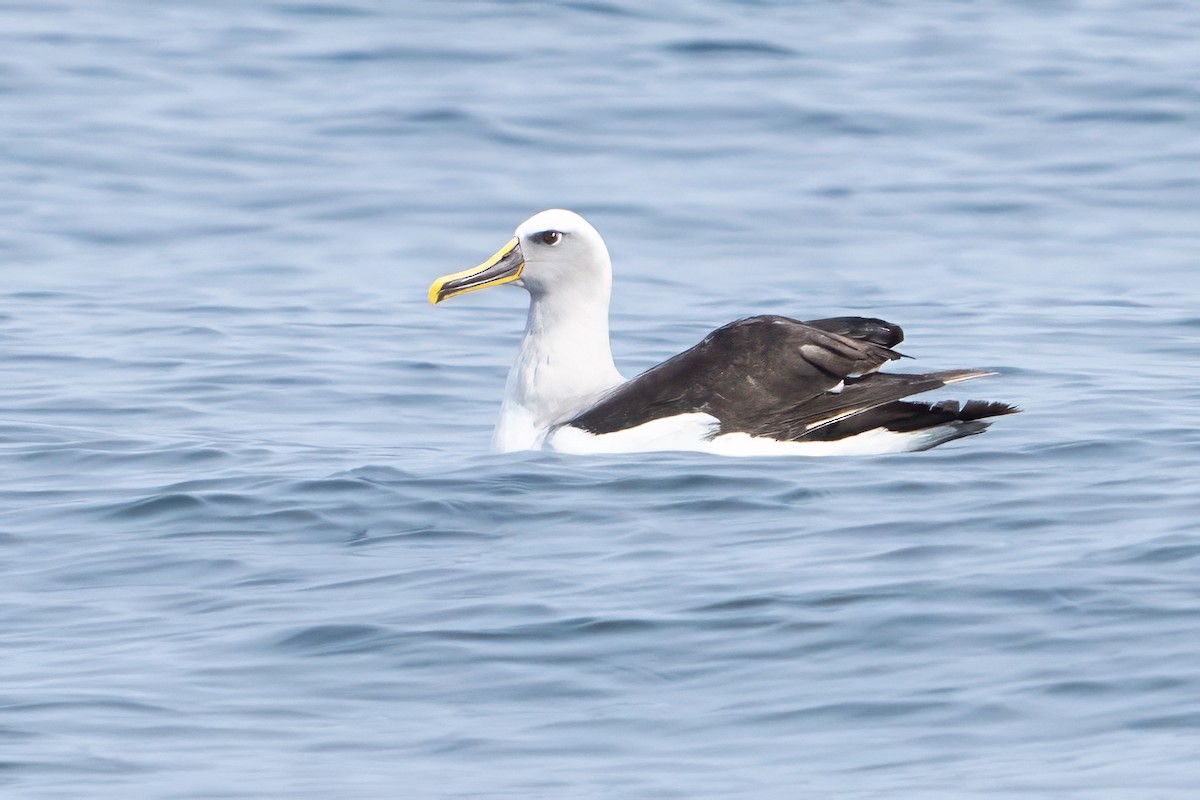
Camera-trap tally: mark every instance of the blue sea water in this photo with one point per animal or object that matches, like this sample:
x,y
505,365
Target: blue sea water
x,y
252,541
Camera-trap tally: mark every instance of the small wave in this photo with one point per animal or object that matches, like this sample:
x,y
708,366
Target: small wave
x,y
729,47
159,506
323,10
335,639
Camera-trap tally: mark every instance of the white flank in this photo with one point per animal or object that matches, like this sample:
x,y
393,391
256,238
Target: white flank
x,y
680,432
691,432
868,443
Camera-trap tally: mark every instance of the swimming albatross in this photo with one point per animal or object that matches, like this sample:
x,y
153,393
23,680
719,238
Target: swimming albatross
x,y
757,386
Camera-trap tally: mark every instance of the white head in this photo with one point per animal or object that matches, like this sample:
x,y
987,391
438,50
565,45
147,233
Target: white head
x,y
554,252
562,250
564,362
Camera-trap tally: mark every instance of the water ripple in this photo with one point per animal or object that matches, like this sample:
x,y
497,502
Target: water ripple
x,y
252,539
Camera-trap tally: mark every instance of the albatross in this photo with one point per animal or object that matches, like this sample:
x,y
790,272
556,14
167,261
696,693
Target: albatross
x,y
765,385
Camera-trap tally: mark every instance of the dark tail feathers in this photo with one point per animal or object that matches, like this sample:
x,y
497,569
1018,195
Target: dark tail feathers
x,y
906,415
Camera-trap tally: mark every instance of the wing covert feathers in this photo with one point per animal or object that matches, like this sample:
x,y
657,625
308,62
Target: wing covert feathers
x,y
784,379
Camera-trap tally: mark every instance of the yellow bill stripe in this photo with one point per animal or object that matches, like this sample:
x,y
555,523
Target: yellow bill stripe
x,y
439,292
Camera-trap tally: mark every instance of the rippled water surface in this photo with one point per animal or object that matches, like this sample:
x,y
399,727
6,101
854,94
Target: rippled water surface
x,y
252,541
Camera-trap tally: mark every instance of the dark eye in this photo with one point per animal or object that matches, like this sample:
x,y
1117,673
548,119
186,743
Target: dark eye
x,y
550,237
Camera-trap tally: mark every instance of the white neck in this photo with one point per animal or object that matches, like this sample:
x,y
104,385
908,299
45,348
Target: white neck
x,y
565,363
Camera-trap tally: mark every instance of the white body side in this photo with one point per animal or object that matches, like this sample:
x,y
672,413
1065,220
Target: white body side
x,y
691,432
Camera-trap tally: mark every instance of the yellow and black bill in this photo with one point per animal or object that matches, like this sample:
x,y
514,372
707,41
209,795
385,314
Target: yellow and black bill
x,y
504,267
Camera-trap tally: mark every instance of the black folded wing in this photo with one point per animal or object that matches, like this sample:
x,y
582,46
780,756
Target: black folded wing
x,y
758,375
868,329
784,379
